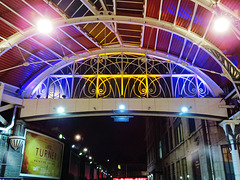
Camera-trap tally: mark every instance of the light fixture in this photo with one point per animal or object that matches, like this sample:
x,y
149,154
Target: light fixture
x,y
44,26
60,136
85,149
90,157
121,107
184,109
221,24
73,146
77,137
60,110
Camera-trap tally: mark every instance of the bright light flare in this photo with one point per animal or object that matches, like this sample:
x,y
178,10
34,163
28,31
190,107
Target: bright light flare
x,y
78,137
122,107
184,109
44,26
60,110
221,24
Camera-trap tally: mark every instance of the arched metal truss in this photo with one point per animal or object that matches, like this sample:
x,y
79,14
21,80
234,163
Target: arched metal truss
x,y
229,69
157,55
122,76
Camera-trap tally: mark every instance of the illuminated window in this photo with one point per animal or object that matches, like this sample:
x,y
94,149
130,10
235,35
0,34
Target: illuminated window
x,y
227,161
178,170
160,149
184,168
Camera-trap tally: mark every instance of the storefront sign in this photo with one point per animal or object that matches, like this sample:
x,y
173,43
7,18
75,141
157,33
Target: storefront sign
x,y
42,156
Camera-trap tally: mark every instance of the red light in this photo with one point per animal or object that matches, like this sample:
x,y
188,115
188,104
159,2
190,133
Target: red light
x,y
129,178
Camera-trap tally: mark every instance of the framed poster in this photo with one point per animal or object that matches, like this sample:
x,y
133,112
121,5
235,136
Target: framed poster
x,y
42,156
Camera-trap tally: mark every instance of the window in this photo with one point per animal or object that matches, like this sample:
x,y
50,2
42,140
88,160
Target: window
x,y
191,125
184,168
160,149
178,170
168,173
173,172
196,166
178,131
227,161
165,144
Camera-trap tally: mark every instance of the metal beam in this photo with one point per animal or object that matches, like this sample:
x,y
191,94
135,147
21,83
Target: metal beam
x,y
103,5
160,10
176,15
1,91
16,13
73,39
108,25
156,40
34,55
68,5
170,43
53,52
55,8
77,10
193,16
11,25
145,9
90,6
143,32
85,34
11,99
183,47
6,107
62,45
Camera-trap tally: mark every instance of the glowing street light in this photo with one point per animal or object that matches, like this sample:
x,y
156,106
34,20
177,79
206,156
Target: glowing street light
x,y
221,24
44,26
85,150
184,109
122,107
60,110
78,137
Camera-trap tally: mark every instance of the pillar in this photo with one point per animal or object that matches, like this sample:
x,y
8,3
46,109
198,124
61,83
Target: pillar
x,y
231,129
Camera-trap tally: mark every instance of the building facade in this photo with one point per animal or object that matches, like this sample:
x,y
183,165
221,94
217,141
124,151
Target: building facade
x,y
187,148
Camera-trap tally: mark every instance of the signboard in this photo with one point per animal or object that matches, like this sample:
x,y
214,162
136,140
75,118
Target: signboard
x,y
42,156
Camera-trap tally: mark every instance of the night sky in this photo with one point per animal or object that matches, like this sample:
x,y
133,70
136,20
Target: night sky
x,y
106,139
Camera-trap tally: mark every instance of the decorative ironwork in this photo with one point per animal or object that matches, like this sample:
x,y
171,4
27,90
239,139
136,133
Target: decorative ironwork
x,y
16,141
122,75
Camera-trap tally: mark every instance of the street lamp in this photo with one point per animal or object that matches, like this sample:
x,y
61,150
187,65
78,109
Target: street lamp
x,y
221,24
78,137
44,26
85,150
60,110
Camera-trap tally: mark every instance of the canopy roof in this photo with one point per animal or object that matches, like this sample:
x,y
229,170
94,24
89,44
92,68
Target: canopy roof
x,y
176,30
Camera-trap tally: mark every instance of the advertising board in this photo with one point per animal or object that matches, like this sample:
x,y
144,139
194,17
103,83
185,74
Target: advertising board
x,y
42,156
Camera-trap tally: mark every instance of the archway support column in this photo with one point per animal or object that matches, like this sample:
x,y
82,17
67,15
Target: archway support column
x,y
232,130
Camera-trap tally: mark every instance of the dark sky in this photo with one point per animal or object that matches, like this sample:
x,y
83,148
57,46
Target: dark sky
x,y
106,139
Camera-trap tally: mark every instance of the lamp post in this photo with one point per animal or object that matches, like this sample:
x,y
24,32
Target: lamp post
x,y
232,130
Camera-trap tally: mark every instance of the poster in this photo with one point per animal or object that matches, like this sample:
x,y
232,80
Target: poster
x,y
42,156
